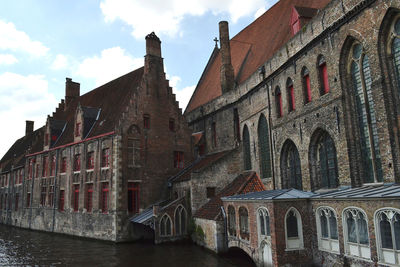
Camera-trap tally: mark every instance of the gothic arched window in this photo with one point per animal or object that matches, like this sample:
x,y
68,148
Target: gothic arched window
x,y
264,145
165,226
396,52
290,95
264,230
356,236
278,102
246,148
293,230
291,167
244,223
327,229
180,220
387,223
365,108
323,161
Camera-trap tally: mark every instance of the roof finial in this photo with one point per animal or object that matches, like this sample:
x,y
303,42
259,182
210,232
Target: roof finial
x,y
216,41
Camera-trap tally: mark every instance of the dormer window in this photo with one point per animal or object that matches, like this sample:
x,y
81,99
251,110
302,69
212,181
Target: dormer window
x,y
77,129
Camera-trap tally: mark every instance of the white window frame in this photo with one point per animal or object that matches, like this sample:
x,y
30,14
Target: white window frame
x,y
294,243
355,249
265,213
386,254
327,243
164,226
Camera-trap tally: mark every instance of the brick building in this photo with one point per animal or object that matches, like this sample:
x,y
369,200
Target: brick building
x,y
307,96
97,161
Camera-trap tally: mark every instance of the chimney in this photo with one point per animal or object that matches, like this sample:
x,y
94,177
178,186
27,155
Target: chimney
x,y
153,45
28,127
227,76
72,91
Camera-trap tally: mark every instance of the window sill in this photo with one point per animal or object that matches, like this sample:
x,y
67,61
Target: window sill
x,y
328,251
77,172
357,258
294,249
105,168
90,170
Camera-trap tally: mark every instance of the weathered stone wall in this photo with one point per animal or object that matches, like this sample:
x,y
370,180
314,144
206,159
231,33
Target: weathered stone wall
x,y
214,235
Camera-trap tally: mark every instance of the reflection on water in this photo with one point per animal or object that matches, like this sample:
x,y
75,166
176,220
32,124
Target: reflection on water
x,y
24,247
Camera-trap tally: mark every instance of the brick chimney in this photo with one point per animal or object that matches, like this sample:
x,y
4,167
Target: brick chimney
x,y
72,91
154,66
227,76
29,127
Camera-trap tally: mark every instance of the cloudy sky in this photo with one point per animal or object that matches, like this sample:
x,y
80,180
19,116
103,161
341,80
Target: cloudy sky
x,y
93,42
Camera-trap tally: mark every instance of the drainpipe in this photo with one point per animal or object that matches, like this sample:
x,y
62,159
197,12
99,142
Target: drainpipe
x,y
55,190
34,166
225,227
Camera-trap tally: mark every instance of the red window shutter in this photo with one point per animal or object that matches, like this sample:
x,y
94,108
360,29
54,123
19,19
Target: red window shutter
x,y
76,198
61,203
308,88
324,72
104,198
89,197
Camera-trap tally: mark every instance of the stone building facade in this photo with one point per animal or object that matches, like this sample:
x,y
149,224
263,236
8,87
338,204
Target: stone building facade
x,y
98,160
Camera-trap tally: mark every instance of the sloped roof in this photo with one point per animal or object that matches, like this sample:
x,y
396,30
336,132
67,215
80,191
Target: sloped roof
x,y
108,101
272,194
242,184
30,143
198,164
251,48
382,191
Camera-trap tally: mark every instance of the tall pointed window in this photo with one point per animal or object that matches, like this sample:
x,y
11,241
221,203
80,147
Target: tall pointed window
x,y
365,107
306,85
290,95
387,223
323,76
278,102
293,230
244,223
291,167
246,148
263,142
264,230
236,124
396,53
180,220
327,230
165,226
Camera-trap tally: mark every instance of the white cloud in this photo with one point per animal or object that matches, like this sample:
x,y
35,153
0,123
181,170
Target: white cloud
x,y
184,95
16,40
112,63
22,98
7,59
60,62
165,17
259,12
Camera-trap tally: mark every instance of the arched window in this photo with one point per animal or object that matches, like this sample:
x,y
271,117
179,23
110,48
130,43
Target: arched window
x,y
306,85
264,230
293,230
244,223
263,142
246,148
323,161
387,225
365,108
165,226
236,125
278,102
291,167
327,230
231,221
290,95
323,75
396,52
356,238
180,220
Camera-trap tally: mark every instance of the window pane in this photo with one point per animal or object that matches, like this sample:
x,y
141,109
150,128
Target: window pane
x,y
262,223
263,142
291,225
333,225
386,232
396,226
246,147
324,225
351,230
362,230
267,225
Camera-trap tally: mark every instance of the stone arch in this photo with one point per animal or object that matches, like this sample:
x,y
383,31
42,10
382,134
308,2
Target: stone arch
x,y
359,113
323,161
242,247
290,166
388,39
264,147
246,148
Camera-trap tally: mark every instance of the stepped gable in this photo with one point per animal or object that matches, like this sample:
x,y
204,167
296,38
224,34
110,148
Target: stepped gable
x,y
244,183
108,100
32,142
198,164
252,47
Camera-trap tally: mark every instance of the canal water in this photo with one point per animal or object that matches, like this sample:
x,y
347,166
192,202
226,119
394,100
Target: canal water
x,y
20,247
